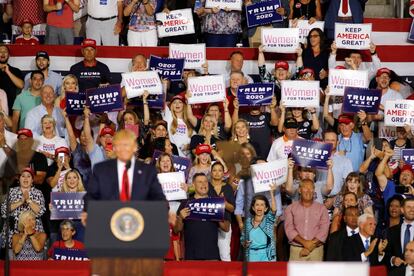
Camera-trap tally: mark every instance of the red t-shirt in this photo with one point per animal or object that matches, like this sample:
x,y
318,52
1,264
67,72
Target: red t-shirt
x,y
411,97
61,244
31,41
62,18
28,10
173,237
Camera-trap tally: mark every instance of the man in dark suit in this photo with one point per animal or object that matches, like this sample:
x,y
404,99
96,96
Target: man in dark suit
x,y
408,268
124,178
400,235
363,247
337,239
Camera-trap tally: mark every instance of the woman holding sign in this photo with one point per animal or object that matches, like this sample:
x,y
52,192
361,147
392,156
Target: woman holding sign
x,y
260,241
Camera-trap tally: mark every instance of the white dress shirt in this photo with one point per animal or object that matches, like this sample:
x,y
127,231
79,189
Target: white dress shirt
x,y
366,259
121,168
409,270
349,231
403,227
341,14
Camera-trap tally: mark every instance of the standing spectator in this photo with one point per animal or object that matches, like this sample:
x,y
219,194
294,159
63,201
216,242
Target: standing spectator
x,y
27,100
343,11
90,72
11,78
7,143
306,128
236,62
282,146
57,172
260,245
207,133
201,236
59,28
350,200
141,30
29,243
104,21
221,28
52,78
351,143
305,10
28,10
6,13
364,246
67,231
306,225
27,37
47,107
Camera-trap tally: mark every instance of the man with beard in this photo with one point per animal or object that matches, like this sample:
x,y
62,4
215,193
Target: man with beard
x,y
27,100
52,78
11,78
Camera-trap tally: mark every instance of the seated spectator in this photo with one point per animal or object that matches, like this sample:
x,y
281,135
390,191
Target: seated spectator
x,y
201,237
306,128
236,61
260,243
337,239
142,30
305,10
364,246
59,28
49,141
350,200
27,38
306,225
354,184
23,198
28,244
67,231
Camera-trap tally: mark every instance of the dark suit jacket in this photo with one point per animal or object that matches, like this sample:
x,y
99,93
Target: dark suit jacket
x,y
394,244
354,247
103,184
398,271
332,15
335,246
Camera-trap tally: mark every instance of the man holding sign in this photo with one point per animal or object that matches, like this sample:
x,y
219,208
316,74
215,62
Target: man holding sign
x,y
201,235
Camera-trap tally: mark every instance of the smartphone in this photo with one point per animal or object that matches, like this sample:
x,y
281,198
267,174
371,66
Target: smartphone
x,y
108,147
400,189
61,155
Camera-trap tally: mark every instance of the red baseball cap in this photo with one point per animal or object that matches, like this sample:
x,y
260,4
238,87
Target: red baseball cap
x,y
340,67
24,131
107,130
345,119
407,167
306,71
29,170
282,64
88,42
180,97
62,150
383,70
203,148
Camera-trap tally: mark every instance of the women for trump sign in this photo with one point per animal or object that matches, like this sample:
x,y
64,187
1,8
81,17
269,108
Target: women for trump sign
x,y
235,5
264,174
280,40
206,89
171,185
300,93
339,79
176,22
399,113
194,54
138,82
353,36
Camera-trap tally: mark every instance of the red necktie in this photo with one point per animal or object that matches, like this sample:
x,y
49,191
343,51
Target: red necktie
x,y
124,196
344,7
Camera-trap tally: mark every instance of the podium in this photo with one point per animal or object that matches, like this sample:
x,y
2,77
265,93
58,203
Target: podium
x,y
127,238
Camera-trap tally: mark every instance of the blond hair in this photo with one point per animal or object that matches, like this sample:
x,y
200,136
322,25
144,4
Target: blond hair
x,y
174,123
233,129
124,134
51,119
22,218
80,187
214,126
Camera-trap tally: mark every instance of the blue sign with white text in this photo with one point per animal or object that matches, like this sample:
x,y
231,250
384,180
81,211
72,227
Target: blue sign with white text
x,y
256,94
211,208
67,254
357,99
311,154
167,68
263,13
407,155
104,99
181,164
75,102
66,205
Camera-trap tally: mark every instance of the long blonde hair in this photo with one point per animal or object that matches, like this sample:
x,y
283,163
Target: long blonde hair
x,y
174,123
233,129
65,188
214,126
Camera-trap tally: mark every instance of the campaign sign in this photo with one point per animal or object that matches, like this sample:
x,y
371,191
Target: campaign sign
x,y
386,132
411,33
280,40
75,102
300,93
66,205
137,82
167,68
263,13
211,208
104,99
255,94
154,101
338,79
235,5
399,113
176,22
171,185
181,164
304,28
353,36
206,89
264,174
357,99
407,155
194,54
68,254
311,154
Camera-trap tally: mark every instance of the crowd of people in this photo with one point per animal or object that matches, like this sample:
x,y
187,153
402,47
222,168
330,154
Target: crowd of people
x,y
360,208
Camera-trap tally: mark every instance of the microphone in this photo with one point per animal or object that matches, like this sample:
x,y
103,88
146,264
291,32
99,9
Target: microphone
x,y
128,164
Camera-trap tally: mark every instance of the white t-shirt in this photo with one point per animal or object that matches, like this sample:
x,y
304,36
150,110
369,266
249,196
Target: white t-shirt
x,y
180,137
281,148
49,145
103,8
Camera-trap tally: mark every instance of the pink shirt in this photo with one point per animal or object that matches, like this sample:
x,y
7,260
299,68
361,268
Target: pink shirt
x,y
308,222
